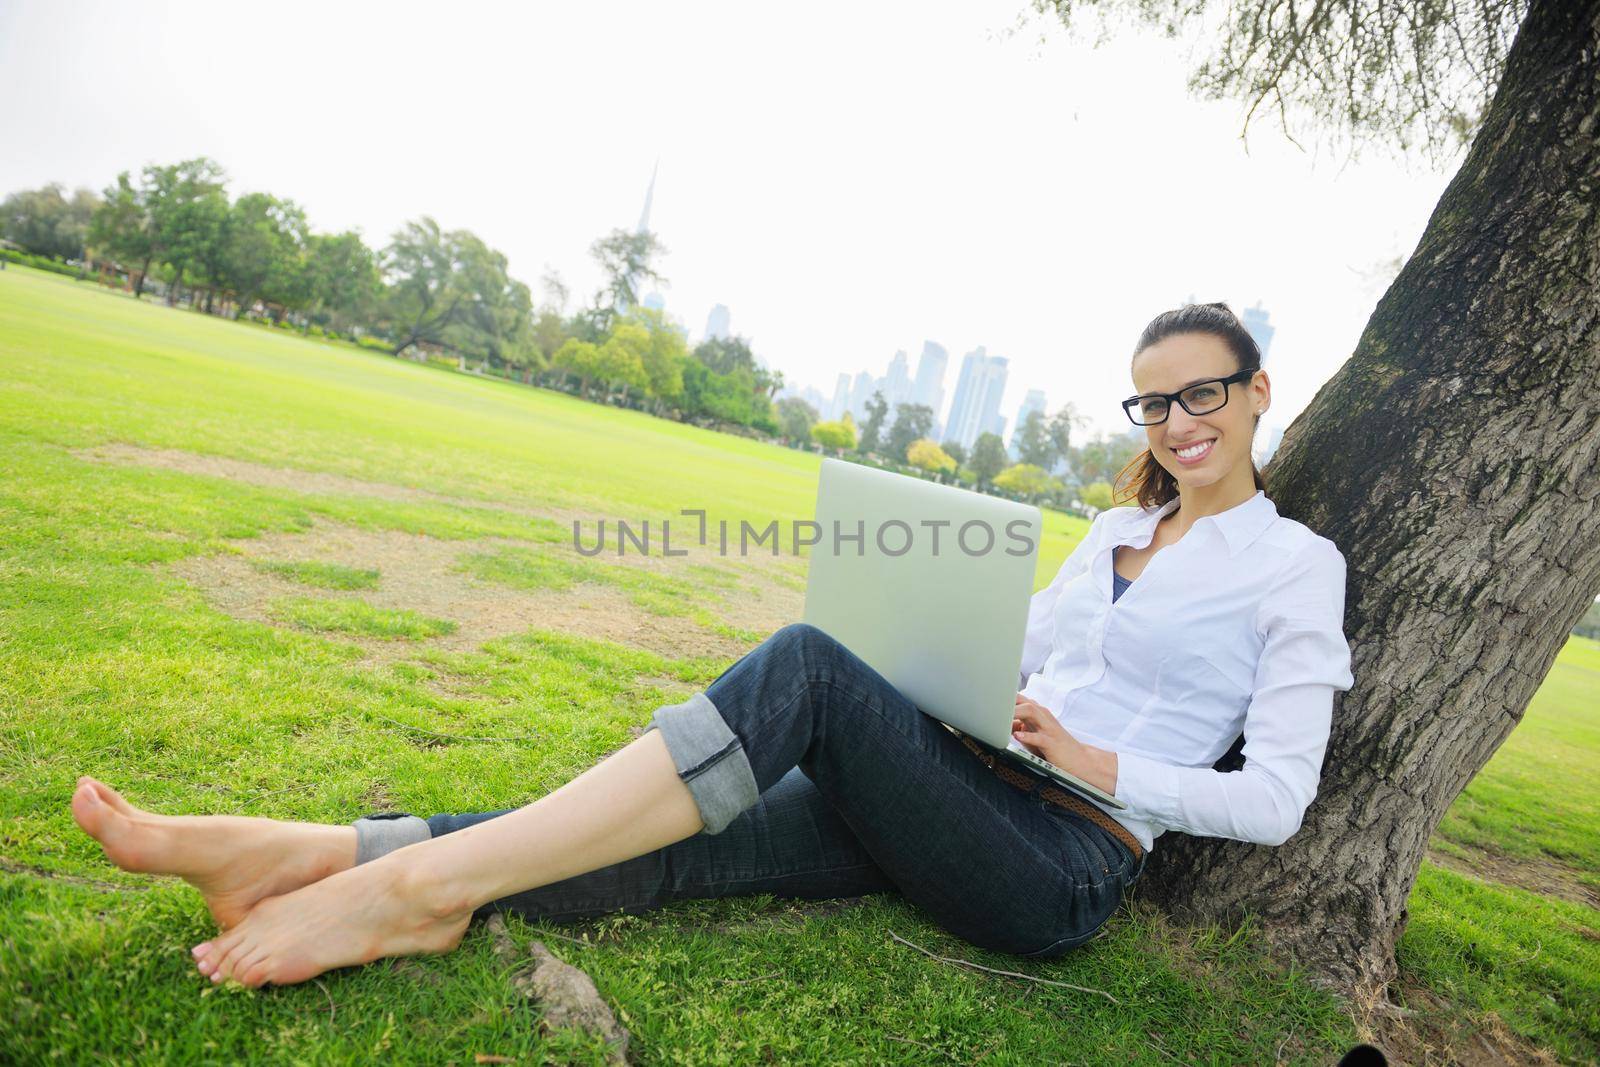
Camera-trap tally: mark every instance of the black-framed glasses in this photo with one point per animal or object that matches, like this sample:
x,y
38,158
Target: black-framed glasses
x,y
1201,398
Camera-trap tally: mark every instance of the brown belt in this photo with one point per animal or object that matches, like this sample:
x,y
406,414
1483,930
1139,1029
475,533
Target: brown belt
x,y
1057,796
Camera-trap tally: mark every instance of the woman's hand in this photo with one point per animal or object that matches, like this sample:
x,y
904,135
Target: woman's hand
x,y
1042,734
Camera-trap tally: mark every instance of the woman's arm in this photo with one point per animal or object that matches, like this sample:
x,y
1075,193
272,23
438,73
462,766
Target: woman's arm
x,y
1305,659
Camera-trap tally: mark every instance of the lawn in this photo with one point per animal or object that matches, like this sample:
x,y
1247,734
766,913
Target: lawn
x,y
248,572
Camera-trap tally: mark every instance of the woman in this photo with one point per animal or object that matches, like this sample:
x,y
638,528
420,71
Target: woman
x,y
801,772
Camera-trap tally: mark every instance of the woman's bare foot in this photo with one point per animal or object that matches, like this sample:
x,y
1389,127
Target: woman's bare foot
x,y
378,909
234,861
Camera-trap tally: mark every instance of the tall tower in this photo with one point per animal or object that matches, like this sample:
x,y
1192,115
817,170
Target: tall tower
x,y
1255,321
929,387
634,281
718,323
841,398
649,199
994,388
976,407
897,383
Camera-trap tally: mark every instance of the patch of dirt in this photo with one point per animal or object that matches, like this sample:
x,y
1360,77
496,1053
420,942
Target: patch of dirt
x,y
417,573
781,572
238,470
1546,877
1423,1031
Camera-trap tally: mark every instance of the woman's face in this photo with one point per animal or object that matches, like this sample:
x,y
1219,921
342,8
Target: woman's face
x,y
1200,450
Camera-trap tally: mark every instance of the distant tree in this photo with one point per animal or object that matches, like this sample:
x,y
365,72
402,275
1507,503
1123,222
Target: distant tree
x,y
47,222
1096,495
956,451
1589,625
663,358
988,458
627,260
1033,442
556,293
622,357
1060,428
1027,480
343,279
924,454
877,410
496,321
911,422
122,229
839,435
796,417
768,382
580,359
449,288
263,253
1099,459
726,355
551,330
188,204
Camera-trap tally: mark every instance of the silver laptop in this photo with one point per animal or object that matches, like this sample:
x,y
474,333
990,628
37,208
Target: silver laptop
x,y
929,585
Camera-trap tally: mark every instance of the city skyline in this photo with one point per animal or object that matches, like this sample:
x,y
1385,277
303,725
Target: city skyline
x,y
1071,190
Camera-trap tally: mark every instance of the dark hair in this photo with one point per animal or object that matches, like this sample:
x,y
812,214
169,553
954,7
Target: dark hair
x,y
1145,479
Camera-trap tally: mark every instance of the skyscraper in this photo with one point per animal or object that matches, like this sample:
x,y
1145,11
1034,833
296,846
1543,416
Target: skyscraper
x,y
976,407
1255,321
718,323
1033,401
861,394
929,387
897,383
841,399
634,280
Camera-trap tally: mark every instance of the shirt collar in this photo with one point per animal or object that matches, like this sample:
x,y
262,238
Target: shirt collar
x,y
1240,524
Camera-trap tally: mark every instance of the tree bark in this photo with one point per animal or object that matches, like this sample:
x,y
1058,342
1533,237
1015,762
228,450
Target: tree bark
x,y
1455,460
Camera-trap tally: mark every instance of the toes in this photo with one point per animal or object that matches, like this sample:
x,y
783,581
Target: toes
x,y
255,971
203,960
91,813
112,797
211,953
233,960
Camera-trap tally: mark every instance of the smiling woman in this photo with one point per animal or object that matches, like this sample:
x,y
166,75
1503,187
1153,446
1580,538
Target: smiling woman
x,y
1231,629
802,772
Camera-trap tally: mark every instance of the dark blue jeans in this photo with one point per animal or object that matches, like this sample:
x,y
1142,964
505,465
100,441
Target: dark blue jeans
x,y
855,790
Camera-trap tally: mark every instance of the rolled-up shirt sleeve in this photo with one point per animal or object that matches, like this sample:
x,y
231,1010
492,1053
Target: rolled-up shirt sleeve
x,y
1042,605
1305,659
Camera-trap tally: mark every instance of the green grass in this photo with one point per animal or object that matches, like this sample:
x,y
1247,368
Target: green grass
x,y
1537,799
1504,953
358,617
113,665
321,575
1494,951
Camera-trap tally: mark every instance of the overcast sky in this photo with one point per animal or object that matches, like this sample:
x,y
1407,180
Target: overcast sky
x,y
848,178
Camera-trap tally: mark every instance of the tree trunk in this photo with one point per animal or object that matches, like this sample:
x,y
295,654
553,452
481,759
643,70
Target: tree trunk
x,y
1453,459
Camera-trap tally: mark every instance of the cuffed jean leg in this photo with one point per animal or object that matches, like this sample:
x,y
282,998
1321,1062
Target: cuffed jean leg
x,y
382,833
710,759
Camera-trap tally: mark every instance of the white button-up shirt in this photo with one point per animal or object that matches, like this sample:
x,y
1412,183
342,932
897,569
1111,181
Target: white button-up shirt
x,y
1235,627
